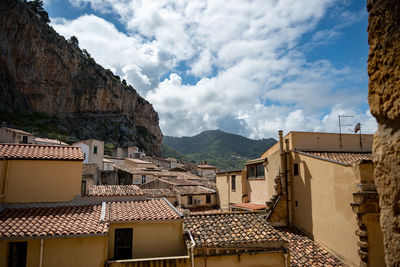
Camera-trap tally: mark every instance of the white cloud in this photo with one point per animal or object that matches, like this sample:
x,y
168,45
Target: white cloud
x,y
245,56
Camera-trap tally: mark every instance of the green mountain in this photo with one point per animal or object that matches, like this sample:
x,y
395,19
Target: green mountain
x,y
224,150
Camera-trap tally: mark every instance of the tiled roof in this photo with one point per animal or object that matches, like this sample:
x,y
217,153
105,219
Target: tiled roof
x,y
160,174
89,169
39,140
16,131
305,252
181,182
231,229
145,210
24,151
157,193
193,190
206,166
114,190
55,221
342,157
250,206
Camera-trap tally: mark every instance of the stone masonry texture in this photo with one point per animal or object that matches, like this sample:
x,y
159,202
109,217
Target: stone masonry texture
x,y
384,100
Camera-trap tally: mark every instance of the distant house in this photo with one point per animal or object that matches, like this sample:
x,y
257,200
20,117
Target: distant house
x,y
193,197
205,170
232,189
93,151
48,141
90,176
15,136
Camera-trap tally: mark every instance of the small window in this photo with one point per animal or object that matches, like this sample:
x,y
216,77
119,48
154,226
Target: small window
x,y
208,199
233,182
295,169
83,188
190,200
260,170
24,139
143,179
123,243
95,150
17,254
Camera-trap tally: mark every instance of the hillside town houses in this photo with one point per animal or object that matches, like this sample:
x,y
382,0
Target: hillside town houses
x,y
309,200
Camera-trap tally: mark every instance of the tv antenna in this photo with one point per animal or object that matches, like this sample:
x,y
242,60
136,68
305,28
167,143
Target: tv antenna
x,y
342,125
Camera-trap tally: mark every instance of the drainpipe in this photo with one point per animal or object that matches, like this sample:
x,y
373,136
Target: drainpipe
x,y
6,166
41,253
285,255
192,244
229,191
282,156
289,183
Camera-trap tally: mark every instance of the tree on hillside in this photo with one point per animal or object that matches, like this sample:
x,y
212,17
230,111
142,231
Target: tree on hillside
x,y
37,7
74,41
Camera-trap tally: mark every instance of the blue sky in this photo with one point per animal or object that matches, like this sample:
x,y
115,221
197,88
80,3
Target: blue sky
x,y
247,67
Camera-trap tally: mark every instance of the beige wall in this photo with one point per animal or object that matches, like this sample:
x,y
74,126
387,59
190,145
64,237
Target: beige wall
x,y
184,201
152,239
265,259
323,192
82,251
41,180
376,255
225,194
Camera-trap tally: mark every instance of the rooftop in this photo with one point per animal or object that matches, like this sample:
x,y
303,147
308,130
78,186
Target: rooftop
x,y
16,131
114,190
144,210
206,166
193,190
180,182
346,158
89,169
42,152
49,141
253,161
306,252
55,221
157,193
249,206
138,161
231,229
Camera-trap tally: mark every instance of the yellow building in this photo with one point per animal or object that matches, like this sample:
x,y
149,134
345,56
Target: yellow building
x,y
37,173
322,184
231,188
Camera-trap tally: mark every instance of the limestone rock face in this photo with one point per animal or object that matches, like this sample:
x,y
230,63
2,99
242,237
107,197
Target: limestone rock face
x,y
384,100
40,71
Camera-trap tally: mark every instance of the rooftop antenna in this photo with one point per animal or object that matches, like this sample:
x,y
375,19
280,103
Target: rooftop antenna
x,y
356,129
340,127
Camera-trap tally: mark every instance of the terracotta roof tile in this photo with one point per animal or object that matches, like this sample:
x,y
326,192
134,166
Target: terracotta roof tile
x,y
305,252
250,206
24,151
114,190
193,190
157,193
231,229
145,210
181,182
54,221
343,157
89,169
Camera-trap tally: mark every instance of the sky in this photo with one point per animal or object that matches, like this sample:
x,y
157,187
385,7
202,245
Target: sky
x,y
245,67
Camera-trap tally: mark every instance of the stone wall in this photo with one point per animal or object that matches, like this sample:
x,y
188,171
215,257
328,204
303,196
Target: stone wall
x,y
384,100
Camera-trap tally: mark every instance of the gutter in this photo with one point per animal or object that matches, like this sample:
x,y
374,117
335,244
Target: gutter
x,y
172,207
6,166
192,245
41,253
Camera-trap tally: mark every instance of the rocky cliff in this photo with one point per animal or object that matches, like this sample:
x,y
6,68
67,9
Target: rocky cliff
x,y
41,72
384,100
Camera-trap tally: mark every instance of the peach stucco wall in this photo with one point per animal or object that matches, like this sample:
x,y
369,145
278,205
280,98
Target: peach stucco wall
x,y
41,180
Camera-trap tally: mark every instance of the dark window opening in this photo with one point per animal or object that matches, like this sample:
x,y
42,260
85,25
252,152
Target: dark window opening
x,y
233,182
123,243
83,188
95,150
17,254
296,169
208,199
297,203
190,200
260,170
24,139
143,179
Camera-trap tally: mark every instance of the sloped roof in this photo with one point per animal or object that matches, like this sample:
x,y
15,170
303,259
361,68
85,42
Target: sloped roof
x,y
145,210
231,229
41,152
180,182
157,193
54,221
249,206
346,158
114,190
89,169
193,190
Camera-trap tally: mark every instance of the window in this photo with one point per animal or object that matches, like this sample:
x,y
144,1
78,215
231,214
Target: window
x,y
190,200
84,156
260,170
17,254
296,169
95,150
251,171
208,199
233,182
24,139
123,243
143,179
83,188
